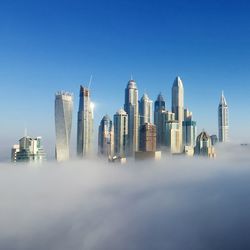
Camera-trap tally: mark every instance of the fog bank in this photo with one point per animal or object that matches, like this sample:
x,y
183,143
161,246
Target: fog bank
x,y
176,204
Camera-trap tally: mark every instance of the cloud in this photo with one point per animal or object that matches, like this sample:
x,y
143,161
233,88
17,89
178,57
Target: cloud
x,y
177,203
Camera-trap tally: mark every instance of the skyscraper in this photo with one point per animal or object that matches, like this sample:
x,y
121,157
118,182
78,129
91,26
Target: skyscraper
x,y
30,150
188,129
173,136
223,124
146,110
148,137
204,146
178,104
121,133
106,137
84,124
63,123
178,99
131,108
158,120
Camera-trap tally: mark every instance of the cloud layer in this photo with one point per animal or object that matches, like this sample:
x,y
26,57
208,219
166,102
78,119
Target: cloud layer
x,y
173,204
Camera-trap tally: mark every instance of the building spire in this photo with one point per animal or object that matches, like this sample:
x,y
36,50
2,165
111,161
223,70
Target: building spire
x,y
223,99
90,81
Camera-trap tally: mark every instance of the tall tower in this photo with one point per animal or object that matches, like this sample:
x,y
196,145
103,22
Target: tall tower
x,y
178,99
84,124
146,110
178,104
63,123
131,108
158,119
121,133
188,129
106,137
223,124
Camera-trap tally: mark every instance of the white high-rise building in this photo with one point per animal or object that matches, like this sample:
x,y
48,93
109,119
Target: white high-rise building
x,y
132,110
63,124
146,110
178,99
106,137
178,104
121,133
30,150
84,124
223,123
173,136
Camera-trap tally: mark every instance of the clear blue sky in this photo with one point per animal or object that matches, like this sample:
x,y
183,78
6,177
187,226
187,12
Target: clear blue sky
x,y
47,46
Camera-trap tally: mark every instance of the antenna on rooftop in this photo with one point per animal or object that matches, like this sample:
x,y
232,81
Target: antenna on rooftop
x,y
90,81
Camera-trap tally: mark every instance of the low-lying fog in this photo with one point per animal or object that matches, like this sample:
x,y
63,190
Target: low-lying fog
x,y
179,203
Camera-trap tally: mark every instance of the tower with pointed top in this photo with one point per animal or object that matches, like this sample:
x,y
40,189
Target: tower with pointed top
x,y
223,124
84,124
146,110
178,104
132,110
178,99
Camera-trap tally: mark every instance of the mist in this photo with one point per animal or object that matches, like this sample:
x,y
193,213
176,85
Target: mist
x,y
176,203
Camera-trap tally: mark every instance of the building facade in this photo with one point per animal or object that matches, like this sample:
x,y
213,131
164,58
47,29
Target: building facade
x,y
148,137
63,124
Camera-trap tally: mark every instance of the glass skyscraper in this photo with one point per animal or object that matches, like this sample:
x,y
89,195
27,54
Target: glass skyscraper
x,y
84,124
63,124
159,120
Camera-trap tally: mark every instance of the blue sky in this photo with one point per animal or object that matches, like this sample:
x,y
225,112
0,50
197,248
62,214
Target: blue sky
x,y
48,46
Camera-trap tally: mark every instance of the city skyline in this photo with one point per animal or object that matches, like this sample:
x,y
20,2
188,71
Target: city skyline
x,y
134,132
41,57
